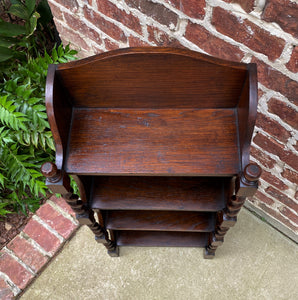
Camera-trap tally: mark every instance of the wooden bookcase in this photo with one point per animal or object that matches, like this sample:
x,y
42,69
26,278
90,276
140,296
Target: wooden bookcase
x,y
158,142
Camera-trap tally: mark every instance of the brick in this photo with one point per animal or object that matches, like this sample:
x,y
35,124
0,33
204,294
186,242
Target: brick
x,y
160,38
110,45
247,33
289,214
284,13
107,27
277,81
69,36
78,25
290,175
55,220
273,180
260,93
211,44
70,4
192,8
111,10
272,127
292,65
156,11
63,204
16,272
5,291
56,12
247,5
263,158
27,253
277,216
260,196
282,198
42,236
136,42
284,111
278,149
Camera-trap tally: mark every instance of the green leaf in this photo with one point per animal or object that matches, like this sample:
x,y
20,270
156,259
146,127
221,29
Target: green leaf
x,y
20,11
67,48
3,211
34,100
73,52
11,85
27,93
60,51
11,30
39,107
62,60
5,54
48,58
26,137
2,180
51,144
69,57
54,55
33,22
30,4
20,90
34,138
7,41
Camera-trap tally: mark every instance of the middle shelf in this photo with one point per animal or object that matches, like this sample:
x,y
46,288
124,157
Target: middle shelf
x,y
159,193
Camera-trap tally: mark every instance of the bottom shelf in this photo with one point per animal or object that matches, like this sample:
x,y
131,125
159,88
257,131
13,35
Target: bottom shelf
x,y
161,238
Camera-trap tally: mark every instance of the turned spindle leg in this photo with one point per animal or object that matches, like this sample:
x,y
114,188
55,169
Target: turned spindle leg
x,y
246,185
59,182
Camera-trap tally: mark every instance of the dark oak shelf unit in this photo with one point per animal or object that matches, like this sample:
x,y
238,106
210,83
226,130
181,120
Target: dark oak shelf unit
x,y
158,142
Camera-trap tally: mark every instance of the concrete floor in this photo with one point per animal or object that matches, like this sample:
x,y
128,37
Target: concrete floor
x,y
255,262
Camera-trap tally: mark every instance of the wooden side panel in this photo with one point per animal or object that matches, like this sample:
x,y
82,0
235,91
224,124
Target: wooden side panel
x,y
247,110
59,110
156,78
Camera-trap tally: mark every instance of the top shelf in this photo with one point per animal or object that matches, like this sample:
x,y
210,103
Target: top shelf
x,y
160,142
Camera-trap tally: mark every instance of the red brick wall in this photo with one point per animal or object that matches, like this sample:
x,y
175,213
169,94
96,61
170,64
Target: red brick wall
x,y
265,32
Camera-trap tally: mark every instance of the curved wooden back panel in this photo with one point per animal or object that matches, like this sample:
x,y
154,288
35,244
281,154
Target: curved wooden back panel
x,y
153,78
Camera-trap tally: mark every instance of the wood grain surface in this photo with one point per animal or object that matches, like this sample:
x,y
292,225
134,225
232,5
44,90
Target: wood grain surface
x,y
159,193
153,142
161,239
160,220
153,78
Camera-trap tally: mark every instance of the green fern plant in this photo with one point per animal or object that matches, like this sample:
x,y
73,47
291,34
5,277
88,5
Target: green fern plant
x,y
25,138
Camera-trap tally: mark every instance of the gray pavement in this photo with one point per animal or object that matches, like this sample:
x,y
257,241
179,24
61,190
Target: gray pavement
x,y
255,262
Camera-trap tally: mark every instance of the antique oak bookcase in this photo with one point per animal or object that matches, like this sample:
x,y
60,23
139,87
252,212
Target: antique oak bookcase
x,y
158,141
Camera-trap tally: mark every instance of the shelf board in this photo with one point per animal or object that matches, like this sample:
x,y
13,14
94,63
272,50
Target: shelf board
x,y
161,239
160,221
182,142
159,193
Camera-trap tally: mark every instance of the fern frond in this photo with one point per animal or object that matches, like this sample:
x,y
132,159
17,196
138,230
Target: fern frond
x,y
9,117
